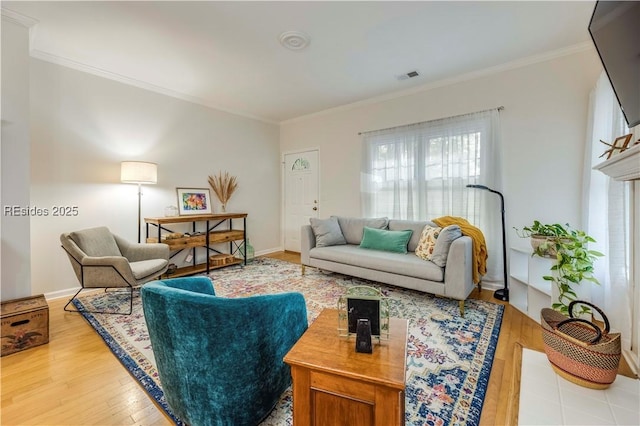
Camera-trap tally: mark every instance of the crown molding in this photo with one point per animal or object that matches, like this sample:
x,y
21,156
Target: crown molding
x,y
548,56
69,63
79,66
18,18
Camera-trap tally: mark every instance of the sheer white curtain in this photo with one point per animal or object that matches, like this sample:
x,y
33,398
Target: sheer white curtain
x,y
420,171
606,212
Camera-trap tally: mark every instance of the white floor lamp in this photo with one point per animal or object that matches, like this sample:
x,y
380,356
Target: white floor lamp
x,y
503,293
139,172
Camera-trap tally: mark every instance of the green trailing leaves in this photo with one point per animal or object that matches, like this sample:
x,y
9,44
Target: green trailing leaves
x,y
574,260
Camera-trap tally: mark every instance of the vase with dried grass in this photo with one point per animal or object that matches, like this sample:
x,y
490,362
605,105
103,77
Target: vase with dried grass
x,y
223,186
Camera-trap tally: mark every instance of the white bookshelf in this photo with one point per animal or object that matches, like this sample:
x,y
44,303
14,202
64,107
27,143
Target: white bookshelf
x,y
528,291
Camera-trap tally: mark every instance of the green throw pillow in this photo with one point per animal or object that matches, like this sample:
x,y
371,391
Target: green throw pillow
x,y
382,239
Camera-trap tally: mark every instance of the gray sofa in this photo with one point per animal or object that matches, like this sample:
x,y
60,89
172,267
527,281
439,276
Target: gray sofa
x,y
454,280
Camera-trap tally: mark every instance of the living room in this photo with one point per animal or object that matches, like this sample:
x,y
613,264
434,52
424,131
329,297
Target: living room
x,y
75,123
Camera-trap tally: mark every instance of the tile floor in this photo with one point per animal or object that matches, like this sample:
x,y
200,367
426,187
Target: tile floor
x,y
548,399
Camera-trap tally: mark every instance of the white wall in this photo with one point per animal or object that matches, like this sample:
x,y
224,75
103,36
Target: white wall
x,y
543,133
83,126
15,263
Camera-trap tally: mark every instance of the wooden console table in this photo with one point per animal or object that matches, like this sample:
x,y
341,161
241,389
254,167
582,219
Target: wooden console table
x,y
208,237
335,385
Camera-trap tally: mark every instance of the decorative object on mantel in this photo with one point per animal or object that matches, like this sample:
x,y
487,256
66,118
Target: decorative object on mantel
x,y
579,350
223,187
624,166
620,144
574,260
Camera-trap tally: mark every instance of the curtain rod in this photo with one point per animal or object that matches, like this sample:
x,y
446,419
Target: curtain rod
x,y
500,108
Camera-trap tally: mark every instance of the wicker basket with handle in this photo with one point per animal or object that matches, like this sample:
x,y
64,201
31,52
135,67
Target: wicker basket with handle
x,y
579,350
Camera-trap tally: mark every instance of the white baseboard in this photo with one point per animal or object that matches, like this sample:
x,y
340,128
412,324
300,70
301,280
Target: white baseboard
x,y
61,293
269,251
630,357
491,285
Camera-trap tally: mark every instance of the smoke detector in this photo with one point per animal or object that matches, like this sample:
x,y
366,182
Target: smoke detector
x,y
294,40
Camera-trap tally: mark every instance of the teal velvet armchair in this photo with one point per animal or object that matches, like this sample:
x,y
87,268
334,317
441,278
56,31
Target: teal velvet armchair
x,y
220,359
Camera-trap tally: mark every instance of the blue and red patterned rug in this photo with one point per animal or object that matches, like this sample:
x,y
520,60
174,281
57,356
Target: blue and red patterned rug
x,y
449,358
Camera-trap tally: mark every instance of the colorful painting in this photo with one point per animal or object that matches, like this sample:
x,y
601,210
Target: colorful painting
x,y
194,201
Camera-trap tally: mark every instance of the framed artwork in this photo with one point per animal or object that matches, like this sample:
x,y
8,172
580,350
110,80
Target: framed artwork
x,y
363,309
363,302
620,144
192,201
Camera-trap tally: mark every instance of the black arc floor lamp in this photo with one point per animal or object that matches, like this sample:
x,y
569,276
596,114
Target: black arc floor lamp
x,y
503,293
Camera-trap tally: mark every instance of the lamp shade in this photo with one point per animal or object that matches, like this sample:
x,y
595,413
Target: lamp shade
x,y
138,172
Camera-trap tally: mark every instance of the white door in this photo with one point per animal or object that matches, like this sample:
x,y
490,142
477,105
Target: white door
x,y
301,195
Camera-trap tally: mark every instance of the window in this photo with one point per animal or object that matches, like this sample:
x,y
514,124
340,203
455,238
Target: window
x,y
420,172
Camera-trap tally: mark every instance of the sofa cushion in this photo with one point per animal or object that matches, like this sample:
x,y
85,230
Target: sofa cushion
x,y
145,268
96,242
427,244
353,227
435,243
382,239
395,263
415,225
443,243
327,232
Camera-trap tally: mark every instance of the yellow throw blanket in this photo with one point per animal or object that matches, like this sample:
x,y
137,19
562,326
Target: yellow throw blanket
x,y
479,245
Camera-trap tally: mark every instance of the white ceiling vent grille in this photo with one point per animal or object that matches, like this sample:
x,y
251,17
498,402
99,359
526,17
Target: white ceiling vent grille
x,y
410,74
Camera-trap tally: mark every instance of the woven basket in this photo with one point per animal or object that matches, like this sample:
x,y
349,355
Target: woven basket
x,y
579,350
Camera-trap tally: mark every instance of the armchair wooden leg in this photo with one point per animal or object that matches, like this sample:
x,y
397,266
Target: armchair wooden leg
x,y
461,305
303,269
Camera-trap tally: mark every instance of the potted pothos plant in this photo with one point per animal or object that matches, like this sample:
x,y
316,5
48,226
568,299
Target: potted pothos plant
x,y
544,236
574,260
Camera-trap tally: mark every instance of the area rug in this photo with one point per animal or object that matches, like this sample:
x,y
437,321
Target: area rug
x,y
449,357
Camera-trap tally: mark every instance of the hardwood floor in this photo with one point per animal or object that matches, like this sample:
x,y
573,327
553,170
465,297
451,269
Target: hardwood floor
x,y
75,380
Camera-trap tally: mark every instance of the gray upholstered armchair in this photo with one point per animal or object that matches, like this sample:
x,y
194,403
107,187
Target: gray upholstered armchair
x,y
101,259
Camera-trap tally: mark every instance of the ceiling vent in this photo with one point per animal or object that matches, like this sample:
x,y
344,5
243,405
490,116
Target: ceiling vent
x,y
408,75
294,40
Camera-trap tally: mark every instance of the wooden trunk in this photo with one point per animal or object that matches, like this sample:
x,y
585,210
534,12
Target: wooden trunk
x,y
25,324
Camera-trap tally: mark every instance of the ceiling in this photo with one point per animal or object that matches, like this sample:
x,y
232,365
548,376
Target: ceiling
x,y
227,54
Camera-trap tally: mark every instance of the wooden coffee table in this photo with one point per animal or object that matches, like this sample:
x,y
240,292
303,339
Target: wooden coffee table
x,y
335,385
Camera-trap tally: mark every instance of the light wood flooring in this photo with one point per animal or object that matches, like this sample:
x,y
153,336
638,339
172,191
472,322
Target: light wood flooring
x,y
75,380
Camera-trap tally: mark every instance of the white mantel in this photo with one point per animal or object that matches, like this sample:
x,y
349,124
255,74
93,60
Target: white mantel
x,y
623,166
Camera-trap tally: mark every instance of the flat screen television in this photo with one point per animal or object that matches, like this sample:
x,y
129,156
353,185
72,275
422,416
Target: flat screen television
x,y
615,31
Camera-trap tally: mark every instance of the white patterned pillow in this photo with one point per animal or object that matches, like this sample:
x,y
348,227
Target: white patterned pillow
x,y
427,243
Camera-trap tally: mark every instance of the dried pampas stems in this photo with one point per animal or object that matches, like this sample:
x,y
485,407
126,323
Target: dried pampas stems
x,y
223,187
